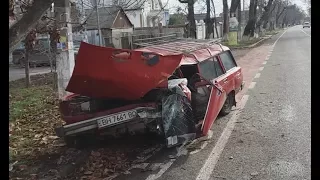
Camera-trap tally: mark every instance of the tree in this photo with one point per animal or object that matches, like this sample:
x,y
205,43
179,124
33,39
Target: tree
x,y
190,17
234,6
177,19
29,45
208,21
225,19
281,7
265,15
32,12
215,18
250,27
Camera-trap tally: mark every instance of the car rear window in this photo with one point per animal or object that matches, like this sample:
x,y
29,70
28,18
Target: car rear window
x,y
227,60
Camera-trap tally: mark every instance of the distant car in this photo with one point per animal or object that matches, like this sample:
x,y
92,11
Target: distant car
x,y
306,24
186,84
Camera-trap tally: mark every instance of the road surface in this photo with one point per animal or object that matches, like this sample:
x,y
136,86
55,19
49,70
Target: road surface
x,y
268,135
16,73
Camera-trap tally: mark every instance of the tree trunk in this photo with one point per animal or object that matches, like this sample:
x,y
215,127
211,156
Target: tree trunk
x,y
19,30
250,27
239,21
234,6
192,22
208,21
265,15
27,69
279,15
215,19
225,19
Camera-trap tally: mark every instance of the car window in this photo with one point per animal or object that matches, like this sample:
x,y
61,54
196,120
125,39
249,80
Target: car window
x,y
207,69
218,67
227,60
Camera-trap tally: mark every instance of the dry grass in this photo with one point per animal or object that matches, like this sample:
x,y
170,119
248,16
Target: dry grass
x,y
33,115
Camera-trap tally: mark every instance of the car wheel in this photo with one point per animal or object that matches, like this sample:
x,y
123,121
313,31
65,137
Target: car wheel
x,y
227,106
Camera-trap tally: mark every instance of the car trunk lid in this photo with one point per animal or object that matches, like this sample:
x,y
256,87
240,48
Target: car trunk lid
x,y
103,72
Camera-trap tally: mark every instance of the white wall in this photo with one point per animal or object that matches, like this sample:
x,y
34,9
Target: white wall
x,y
118,33
134,17
201,30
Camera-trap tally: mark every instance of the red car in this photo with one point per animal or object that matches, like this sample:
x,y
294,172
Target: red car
x,y
175,89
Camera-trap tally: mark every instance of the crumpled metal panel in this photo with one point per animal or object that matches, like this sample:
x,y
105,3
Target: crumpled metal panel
x,y
177,116
102,72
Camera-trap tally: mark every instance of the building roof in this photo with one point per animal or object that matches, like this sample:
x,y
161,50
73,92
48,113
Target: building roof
x,y
107,15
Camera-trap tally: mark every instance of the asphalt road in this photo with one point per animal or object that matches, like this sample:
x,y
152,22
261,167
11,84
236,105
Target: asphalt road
x,y
273,137
268,136
16,73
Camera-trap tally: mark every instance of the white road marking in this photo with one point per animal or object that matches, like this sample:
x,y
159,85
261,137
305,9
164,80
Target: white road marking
x,y
261,68
212,160
268,56
265,62
279,38
257,75
163,169
305,33
251,86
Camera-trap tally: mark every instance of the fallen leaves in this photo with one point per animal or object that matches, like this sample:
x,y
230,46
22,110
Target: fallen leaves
x,y
34,114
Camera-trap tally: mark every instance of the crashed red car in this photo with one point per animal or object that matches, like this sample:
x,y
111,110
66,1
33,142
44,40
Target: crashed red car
x,y
175,89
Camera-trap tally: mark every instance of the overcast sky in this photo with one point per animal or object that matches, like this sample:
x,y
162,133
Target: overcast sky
x,y
200,5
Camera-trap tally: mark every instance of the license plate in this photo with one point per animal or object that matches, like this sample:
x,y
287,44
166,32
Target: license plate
x,y
116,118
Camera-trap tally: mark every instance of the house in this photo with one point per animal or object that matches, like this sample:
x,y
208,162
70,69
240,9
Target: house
x,y
116,28
146,13
141,13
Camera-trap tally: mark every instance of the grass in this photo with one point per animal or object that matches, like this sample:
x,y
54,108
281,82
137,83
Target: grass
x,y
243,43
33,115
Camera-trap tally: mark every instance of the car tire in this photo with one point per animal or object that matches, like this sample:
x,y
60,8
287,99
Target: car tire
x,y
227,106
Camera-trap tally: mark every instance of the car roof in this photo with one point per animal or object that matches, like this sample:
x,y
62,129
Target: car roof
x,y
194,51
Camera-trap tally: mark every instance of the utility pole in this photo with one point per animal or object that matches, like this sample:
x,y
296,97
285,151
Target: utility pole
x,y
95,3
65,54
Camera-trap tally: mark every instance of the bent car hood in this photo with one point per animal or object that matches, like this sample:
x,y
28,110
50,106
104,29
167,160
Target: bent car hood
x,y
103,72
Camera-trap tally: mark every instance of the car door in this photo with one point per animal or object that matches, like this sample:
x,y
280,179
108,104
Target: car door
x,y
232,78
211,72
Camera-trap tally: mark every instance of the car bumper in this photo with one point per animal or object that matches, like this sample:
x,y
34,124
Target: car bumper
x,y
145,114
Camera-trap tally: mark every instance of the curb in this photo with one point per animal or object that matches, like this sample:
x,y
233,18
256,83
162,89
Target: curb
x,y
252,45
255,44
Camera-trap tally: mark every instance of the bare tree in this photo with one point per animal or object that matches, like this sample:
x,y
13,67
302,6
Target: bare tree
x,y
208,21
190,17
32,12
265,15
234,6
29,45
225,19
250,27
215,18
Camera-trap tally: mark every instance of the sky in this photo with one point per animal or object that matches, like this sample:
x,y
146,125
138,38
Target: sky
x,y
200,5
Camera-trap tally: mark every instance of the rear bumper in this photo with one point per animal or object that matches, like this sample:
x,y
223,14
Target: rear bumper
x,y
143,114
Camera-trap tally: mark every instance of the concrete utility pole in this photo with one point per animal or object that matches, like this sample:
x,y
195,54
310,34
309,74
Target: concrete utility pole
x,y
65,54
95,4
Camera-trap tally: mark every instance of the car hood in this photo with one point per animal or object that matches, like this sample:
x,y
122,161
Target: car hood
x,y
103,72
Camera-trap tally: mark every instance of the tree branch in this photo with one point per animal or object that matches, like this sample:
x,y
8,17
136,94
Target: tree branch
x,y
19,30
